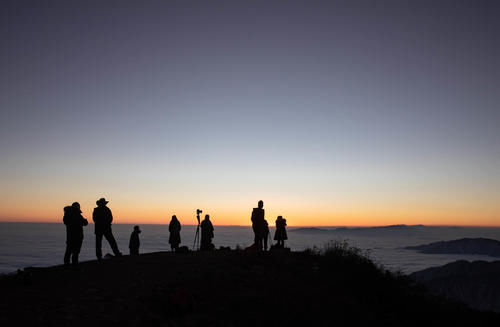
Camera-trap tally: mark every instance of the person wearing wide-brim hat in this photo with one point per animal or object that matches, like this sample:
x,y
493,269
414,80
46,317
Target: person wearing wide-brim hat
x,y
103,219
134,243
101,201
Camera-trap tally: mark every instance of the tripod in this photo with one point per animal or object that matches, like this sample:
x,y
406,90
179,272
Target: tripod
x,y
196,243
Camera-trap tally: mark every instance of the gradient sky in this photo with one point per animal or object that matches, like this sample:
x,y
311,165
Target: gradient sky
x,y
332,112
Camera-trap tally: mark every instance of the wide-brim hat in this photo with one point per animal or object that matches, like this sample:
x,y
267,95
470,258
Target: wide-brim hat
x,y
101,201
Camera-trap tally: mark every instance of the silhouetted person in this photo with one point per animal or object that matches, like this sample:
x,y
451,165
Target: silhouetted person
x,y
258,225
74,222
207,234
134,243
266,234
103,218
280,234
175,233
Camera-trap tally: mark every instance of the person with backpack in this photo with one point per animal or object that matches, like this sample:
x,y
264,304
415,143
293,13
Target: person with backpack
x,y
74,222
258,226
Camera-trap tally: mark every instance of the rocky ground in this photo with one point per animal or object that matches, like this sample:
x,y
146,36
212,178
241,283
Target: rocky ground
x,y
226,288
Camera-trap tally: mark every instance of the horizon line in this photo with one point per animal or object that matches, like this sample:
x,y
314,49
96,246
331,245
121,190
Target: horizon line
x,y
289,226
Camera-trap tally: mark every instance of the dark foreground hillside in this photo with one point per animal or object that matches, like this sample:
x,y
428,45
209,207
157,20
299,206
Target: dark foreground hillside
x,y
476,283
225,288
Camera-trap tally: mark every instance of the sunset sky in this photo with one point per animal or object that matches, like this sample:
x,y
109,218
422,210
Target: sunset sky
x,y
332,112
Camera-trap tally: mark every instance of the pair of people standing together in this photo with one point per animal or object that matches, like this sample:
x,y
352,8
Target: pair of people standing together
x,y
74,222
261,228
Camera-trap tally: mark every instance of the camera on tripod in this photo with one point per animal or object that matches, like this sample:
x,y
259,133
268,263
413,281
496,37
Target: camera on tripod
x,y
196,243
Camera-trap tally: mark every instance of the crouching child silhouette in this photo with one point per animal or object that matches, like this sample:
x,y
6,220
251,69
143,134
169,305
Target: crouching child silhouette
x,y
74,222
134,243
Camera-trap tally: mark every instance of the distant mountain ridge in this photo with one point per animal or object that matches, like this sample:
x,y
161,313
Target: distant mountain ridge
x,y
363,230
484,246
310,230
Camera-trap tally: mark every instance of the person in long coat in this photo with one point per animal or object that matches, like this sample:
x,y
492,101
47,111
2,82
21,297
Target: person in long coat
x,y
207,234
175,233
74,222
134,242
280,233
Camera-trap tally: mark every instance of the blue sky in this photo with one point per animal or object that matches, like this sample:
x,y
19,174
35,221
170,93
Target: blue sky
x,y
388,107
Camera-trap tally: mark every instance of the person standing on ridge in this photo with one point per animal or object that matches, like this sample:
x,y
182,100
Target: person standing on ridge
x,y
175,233
74,222
134,243
103,218
258,225
280,234
207,234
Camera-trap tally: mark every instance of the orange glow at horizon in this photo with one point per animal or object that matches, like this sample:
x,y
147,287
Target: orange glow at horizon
x,y
125,213
301,206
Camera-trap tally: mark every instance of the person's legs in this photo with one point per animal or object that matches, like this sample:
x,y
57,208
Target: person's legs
x,y
74,259
77,246
67,254
98,246
205,244
112,242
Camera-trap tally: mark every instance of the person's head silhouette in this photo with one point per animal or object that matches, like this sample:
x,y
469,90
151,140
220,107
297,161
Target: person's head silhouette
x,y
101,202
76,205
207,217
261,204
